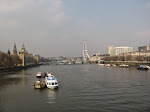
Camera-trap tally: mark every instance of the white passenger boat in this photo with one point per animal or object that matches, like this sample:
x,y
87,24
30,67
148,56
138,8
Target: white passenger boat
x,y
78,62
124,65
108,65
101,64
51,81
113,65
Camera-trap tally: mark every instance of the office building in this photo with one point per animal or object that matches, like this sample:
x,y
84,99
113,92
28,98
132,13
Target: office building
x,y
113,51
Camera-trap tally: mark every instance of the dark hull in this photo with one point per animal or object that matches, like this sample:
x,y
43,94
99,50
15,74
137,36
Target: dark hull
x,y
38,76
141,68
124,66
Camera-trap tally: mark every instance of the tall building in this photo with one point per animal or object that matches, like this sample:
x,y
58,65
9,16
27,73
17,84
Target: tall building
x,y
23,48
111,51
15,49
27,59
144,48
37,58
118,50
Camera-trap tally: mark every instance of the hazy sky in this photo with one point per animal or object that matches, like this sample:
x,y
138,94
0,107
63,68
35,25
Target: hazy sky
x,y
59,27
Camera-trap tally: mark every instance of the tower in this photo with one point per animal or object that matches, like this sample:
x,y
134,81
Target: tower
x,y
23,48
85,52
15,49
8,52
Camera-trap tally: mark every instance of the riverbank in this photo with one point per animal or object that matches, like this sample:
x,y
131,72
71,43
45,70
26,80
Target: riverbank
x,y
131,63
16,68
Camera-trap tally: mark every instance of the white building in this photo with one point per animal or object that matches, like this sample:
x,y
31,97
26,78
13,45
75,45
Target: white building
x,y
144,48
118,50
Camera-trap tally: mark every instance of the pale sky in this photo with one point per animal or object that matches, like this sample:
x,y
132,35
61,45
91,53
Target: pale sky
x,y
59,27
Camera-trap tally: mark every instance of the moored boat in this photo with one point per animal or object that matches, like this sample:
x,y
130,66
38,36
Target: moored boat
x,y
101,64
51,81
39,84
143,67
108,65
113,65
124,65
78,62
39,74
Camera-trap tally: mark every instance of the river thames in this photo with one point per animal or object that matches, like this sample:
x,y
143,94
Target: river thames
x,y
82,88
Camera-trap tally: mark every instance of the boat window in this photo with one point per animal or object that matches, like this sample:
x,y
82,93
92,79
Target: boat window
x,y
52,83
55,83
49,83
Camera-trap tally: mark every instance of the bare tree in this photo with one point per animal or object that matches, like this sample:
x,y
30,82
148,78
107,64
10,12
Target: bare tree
x,y
7,60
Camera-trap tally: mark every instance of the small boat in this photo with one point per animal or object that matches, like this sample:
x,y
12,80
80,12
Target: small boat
x,y
113,65
147,67
124,65
101,64
108,65
143,67
39,74
70,63
39,84
51,81
78,62
60,63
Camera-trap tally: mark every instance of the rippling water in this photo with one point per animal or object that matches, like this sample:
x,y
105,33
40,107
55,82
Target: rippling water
x,y
82,88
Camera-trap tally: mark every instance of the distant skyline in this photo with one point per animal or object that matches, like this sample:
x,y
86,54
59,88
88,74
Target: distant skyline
x,y
53,28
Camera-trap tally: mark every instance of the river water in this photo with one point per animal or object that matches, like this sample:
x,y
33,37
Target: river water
x,y
82,88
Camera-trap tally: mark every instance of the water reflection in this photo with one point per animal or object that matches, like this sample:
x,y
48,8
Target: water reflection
x,y
2,107
83,88
42,90
10,81
51,95
23,72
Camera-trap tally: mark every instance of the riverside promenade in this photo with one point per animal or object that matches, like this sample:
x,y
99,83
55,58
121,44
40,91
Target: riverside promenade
x,y
134,63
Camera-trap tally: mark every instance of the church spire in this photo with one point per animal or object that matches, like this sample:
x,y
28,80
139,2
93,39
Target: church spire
x,y
23,48
15,49
8,52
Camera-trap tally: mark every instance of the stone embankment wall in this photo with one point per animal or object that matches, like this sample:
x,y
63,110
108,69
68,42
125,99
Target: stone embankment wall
x,y
16,68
